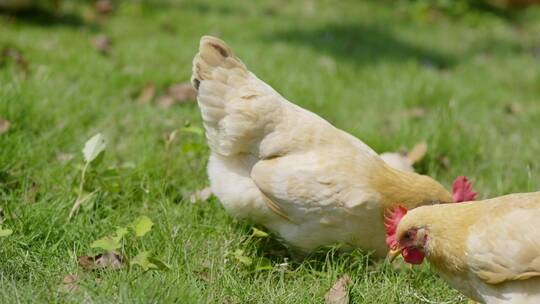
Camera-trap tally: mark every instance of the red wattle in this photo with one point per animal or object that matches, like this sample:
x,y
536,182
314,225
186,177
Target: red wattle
x,y
413,255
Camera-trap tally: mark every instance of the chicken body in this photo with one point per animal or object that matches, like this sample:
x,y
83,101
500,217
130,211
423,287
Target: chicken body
x,y
489,250
286,168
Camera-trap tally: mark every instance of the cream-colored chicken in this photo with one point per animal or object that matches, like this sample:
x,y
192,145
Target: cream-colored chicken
x,y
286,168
488,250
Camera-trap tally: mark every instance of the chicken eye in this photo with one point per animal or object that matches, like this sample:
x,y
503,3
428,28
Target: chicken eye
x,y
410,235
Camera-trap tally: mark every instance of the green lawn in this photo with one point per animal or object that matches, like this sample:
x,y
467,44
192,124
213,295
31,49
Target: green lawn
x,y
361,65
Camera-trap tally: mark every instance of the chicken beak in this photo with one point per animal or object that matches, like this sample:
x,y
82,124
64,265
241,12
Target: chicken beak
x,y
392,254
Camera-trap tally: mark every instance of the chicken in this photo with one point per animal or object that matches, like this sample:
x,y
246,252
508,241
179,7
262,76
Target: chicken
x,y
488,250
291,171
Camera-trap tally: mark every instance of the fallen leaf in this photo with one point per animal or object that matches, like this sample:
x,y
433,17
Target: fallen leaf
x,y
142,225
182,92
227,300
201,195
147,93
339,293
164,101
104,7
417,153
4,125
177,94
168,28
443,161
110,260
203,275
102,43
93,147
513,108
416,112
404,160
70,283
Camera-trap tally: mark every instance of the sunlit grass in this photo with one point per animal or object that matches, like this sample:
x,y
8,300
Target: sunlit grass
x,y
362,66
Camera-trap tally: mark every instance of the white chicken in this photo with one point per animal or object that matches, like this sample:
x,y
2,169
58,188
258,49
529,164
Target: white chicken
x,y
288,169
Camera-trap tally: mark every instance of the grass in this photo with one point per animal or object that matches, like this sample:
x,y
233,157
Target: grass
x,y
359,65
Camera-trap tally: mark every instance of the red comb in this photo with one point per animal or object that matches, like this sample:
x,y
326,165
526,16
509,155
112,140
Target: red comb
x,y
392,218
462,190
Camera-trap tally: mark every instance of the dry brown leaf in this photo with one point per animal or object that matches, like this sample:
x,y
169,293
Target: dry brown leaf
x,y
443,161
417,153
177,94
147,93
513,108
201,195
204,276
70,283
110,260
339,293
4,125
168,28
102,43
164,101
417,112
182,92
227,300
104,7
404,160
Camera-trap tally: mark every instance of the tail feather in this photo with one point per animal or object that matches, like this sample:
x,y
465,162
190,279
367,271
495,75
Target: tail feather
x,y
235,105
213,61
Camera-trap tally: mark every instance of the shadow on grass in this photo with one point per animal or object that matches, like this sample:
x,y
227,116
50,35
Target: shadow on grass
x,y
45,17
362,44
276,251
